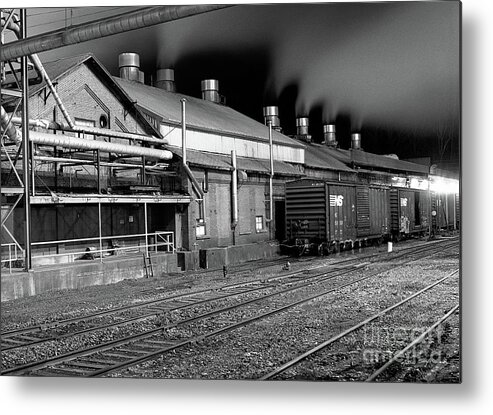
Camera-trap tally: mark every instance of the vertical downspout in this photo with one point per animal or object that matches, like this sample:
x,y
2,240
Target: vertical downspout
x,y
183,131
234,195
430,217
271,178
184,158
25,150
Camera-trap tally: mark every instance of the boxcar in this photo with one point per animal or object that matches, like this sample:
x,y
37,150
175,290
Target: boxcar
x,y
410,212
446,208
324,216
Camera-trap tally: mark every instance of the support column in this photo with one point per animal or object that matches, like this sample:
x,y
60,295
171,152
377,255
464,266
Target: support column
x,y
100,233
145,226
25,150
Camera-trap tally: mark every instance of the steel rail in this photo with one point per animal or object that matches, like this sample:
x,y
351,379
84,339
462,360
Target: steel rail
x,y
220,297
149,304
339,336
419,339
142,336
223,330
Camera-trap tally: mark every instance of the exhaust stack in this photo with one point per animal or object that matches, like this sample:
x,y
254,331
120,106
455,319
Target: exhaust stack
x,y
129,64
302,124
271,114
165,79
210,90
330,135
356,141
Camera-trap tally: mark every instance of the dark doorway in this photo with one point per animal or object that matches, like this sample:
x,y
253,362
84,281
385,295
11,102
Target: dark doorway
x,y
280,218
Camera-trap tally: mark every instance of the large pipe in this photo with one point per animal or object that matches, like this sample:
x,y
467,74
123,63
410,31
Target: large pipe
x,y
271,186
165,79
356,141
9,128
271,113
46,124
84,144
210,90
330,135
108,26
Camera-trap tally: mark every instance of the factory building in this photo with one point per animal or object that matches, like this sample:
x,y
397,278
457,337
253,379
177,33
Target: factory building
x,y
151,180
140,193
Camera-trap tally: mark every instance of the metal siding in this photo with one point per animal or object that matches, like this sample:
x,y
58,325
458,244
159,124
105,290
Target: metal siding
x,y
342,212
306,210
407,218
379,211
363,210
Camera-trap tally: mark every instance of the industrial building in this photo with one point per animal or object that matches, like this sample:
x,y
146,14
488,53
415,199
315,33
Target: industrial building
x,y
129,179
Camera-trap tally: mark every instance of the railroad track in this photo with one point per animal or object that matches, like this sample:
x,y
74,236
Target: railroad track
x,y
56,330
311,352
120,353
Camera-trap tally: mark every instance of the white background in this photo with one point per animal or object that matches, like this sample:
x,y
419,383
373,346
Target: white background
x,y
80,396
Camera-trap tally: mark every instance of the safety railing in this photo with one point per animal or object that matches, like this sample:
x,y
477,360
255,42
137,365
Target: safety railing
x,y
102,247
11,253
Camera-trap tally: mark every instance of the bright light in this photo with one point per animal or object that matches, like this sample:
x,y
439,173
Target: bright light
x,y
444,185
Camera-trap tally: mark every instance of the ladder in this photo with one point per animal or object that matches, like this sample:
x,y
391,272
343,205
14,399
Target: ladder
x,y
149,271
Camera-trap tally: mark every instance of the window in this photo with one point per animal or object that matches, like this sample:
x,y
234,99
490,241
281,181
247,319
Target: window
x,y
81,122
259,223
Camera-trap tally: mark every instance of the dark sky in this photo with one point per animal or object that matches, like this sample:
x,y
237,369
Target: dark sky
x,y
389,70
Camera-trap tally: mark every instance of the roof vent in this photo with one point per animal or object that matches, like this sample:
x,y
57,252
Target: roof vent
x,y
356,141
302,124
210,91
271,114
165,79
330,135
129,64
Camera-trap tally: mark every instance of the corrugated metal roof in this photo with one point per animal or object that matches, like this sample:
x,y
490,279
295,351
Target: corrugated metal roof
x,y
223,162
363,158
55,69
202,115
318,156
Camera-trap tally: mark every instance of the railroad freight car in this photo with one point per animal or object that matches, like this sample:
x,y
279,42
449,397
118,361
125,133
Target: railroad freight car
x,y
323,217
410,212
446,211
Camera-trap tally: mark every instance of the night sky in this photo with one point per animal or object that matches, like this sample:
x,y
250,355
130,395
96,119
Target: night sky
x,y
388,70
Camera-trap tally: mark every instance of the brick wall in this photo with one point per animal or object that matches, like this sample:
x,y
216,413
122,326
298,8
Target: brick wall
x,y
252,197
86,97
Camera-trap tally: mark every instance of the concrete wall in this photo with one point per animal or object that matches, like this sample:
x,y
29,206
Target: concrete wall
x,y
82,274
215,258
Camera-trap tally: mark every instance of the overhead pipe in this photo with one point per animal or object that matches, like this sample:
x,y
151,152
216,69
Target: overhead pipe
x,y
84,144
108,26
50,125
